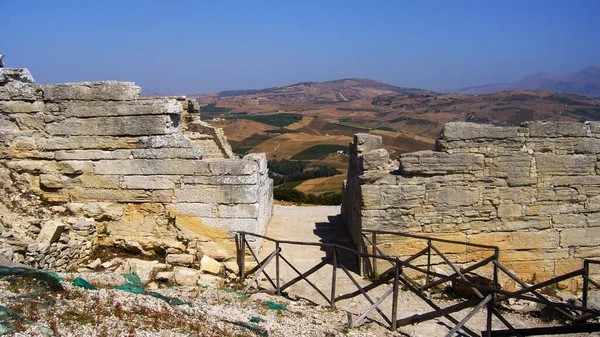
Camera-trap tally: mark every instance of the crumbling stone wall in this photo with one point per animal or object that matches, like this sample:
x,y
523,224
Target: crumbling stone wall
x,y
116,169
533,190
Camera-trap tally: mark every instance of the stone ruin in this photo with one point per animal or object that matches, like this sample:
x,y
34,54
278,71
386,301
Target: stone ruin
x,y
92,167
532,190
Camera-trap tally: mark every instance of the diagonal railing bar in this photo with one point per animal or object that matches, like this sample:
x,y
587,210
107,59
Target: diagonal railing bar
x,y
384,278
592,281
554,330
506,322
535,293
256,259
365,294
436,307
372,307
469,316
305,276
418,318
456,270
261,270
446,278
542,284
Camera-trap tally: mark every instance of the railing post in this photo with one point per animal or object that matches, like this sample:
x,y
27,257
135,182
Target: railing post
x,y
333,277
428,261
277,268
395,296
374,252
242,263
586,275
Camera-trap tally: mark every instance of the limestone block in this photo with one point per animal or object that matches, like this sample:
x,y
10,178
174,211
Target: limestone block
x,y
94,264
569,220
515,166
193,209
168,153
508,210
158,182
382,197
165,276
454,196
91,154
51,181
15,90
575,181
74,167
159,141
50,232
588,146
91,91
219,251
594,127
185,276
366,142
375,159
151,167
15,75
154,106
545,239
573,237
209,265
556,129
146,270
593,219
377,178
564,165
232,225
226,194
552,145
113,126
78,194
232,167
534,255
211,281
260,159
21,106
430,162
238,211
88,142
521,181
221,180
184,260
94,181
464,131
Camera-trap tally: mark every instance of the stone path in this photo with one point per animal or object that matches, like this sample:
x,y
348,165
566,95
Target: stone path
x,y
322,224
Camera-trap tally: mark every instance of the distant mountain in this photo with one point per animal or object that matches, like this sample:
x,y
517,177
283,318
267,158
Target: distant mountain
x,y
343,90
585,82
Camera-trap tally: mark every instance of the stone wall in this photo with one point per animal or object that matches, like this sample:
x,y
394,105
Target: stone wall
x,y
533,191
116,169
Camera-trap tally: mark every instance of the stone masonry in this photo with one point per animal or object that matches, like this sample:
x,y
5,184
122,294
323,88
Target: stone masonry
x,y
93,164
532,190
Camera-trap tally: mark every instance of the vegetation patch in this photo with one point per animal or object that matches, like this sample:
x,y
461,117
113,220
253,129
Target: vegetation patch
x,y
319,151
299,197
214,109
285,171
343,127
385,128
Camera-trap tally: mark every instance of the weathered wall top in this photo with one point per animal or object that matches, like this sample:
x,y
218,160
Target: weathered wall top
x,y
533,190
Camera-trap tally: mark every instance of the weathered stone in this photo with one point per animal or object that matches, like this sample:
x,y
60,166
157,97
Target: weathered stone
x,y
367,142
150,167
14,74
113,126
238,211
430,162
185,276
209,265
92,154
217,251
146,270
227,194
184,260
193,209
149,182
88,142
235,167
588,146
91,91
260,159
21,106
16,90
550,164
153,106
51,231
168,153
516,166
556,129
221,180
165,276
94,264
51,181
462,131
454,196
211,281
571,237
376,159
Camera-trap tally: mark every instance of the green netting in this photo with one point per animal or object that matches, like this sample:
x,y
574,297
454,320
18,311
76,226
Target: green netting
x,y
134,285
79,282
44,280
53,274
170,300
7,316
250,326
275,306
133,279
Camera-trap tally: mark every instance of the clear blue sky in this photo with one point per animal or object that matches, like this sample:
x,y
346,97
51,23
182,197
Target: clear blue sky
x,y
187,47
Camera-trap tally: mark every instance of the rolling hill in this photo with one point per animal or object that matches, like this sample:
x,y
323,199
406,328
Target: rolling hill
x,y
585,82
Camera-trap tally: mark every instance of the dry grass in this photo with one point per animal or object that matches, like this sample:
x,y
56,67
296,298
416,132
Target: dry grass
x,y
322,185
287,145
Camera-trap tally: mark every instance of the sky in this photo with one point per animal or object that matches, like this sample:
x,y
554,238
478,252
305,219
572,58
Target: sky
x,y
189,47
